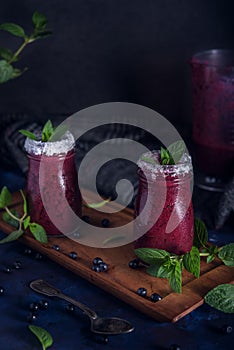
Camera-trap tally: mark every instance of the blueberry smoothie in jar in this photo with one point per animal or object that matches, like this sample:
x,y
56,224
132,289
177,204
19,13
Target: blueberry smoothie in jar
x,y
164,204
52,185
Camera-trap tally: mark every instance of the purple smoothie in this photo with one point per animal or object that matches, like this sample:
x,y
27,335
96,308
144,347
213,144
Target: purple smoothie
x,y
167,196
56,186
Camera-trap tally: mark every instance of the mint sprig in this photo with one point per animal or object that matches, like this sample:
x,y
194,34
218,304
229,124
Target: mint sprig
x,y
8,70
20,223
49,133
221,298
42,335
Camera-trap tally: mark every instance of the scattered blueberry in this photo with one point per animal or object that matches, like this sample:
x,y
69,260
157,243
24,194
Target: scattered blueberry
x,y
2,291
105,222
17,265
86,218
31,317
70,308
97,261
101,339
34,307
56,247
27,251
133,264
103,267
43,304
226,329
174,347
142,292
155,297
73,255
96,268
38,256
7,269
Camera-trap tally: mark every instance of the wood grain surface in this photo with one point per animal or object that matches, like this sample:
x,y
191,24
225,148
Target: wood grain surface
x,y
123,282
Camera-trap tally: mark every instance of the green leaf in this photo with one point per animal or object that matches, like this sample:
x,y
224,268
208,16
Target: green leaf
x,y
226,254
165,270
47,131
14,235
6,71
148,160
28,134
25,202
43,336
26,222
39,20
221,298
153,269
165,157
175,278
9,219
5,197
200,233
191,261
99,204
38,232
14,29
40,34
150,255
6,54
112,239
210,258
58,132
176,151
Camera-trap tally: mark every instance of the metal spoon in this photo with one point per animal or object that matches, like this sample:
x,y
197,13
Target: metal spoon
x,y
106,325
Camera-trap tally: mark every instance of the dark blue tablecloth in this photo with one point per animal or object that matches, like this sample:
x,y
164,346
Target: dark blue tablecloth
x,y
201,329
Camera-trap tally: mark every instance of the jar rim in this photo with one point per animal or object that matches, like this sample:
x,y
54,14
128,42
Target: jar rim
x,y
50,148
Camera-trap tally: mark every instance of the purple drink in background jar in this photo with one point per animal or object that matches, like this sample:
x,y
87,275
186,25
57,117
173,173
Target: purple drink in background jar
x,y
167,196
52,183
213,112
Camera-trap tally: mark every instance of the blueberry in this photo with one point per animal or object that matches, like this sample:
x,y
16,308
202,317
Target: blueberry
x,y
101,339
7,269
103,266
31,317
56,247
34,306
43,304
17,265
226,329
86,218
27,251
73,255
105,222
70,308
142,292
96,268
97,261
133,264
2,291
155,297
174,347
38,256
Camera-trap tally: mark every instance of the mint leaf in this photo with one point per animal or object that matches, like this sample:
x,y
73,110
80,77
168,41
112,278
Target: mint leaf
x,y
5,197
6,71
153,269
26,222
200,233
42,335
176,151
14,235
226,254
9,219
47,131
175,278
165,157
165,270
6,54
150,255
59,132
191,261
39,20
14,29
38,232
210,258
148,160
28,134
221,298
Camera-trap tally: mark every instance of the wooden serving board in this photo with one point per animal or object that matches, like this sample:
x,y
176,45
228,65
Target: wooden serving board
x,y
122,281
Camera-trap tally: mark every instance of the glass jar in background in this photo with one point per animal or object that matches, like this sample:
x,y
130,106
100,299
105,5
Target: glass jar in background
x,y
52,184
213,116
165,194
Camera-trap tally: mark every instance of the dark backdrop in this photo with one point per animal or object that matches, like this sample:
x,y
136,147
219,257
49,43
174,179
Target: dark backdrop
x,y
113,50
